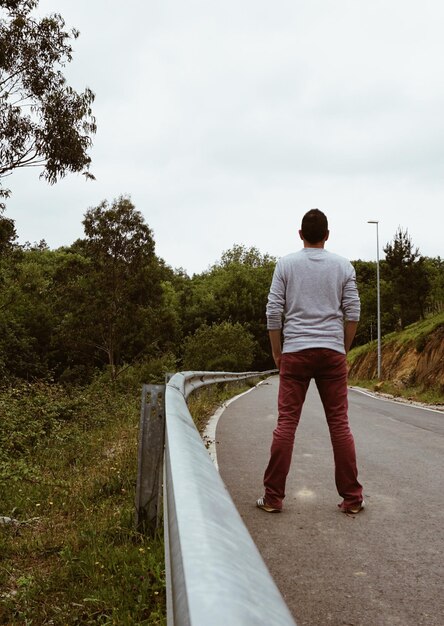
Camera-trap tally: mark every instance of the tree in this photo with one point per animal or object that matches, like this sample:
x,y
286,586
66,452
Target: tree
x,y
43,121
113,300
219,347
233,290
27,320
250,257
435,273
366,281
7,234
107,300
407,272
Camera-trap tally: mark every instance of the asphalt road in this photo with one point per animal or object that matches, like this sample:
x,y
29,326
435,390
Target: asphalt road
x,y
380,568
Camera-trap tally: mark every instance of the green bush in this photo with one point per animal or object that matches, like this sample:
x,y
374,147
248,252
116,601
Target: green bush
x,y
220,347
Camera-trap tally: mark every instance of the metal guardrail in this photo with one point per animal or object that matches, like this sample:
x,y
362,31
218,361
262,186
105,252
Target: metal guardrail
x,y
152,438
215,574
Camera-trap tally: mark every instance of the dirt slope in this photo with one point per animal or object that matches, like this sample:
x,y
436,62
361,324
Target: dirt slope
x,y
414,357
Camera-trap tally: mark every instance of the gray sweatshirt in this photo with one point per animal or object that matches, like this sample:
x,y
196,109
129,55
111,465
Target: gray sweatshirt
x,y
313,291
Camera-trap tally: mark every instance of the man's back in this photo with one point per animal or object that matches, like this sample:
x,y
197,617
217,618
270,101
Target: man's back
x,y
314,289
315,292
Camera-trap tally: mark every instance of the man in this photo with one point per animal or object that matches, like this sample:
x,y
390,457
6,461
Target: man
x,y
315,293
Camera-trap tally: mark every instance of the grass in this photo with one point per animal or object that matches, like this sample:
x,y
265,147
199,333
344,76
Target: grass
x,y
415,334
360,350
67,471
204,402
68,466
416,394
418,330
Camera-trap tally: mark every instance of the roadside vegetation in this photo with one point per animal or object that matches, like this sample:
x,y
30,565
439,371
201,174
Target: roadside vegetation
x,y
413,394
204,402
412,362
69,551
67,473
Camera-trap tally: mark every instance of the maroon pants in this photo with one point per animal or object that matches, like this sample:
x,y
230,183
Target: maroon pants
x,y
329,369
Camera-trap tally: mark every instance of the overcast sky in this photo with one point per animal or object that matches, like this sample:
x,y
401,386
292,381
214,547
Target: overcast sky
x,y
226,121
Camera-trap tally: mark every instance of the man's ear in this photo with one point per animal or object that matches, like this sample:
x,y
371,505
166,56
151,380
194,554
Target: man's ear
x,y
301,235
327,235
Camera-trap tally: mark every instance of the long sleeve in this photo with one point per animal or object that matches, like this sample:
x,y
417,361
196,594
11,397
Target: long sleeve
x,y
276,300
351,304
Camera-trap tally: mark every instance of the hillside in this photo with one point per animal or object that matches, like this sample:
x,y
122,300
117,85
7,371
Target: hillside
x,y
412,358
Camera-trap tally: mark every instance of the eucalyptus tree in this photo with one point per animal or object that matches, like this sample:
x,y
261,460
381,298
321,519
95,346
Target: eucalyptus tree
x,y
115,298
43,120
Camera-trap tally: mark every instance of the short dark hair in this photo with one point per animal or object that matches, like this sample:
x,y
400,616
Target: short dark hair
x,y
314,226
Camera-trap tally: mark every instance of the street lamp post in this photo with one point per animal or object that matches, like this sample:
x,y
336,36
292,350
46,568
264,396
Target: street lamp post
x,y
378,296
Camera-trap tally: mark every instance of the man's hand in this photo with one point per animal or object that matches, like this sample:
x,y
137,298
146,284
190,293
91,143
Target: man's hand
x,y
277,360
276,346
349,334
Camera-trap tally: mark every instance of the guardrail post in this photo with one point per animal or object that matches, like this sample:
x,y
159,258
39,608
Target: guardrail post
x,y
150,458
